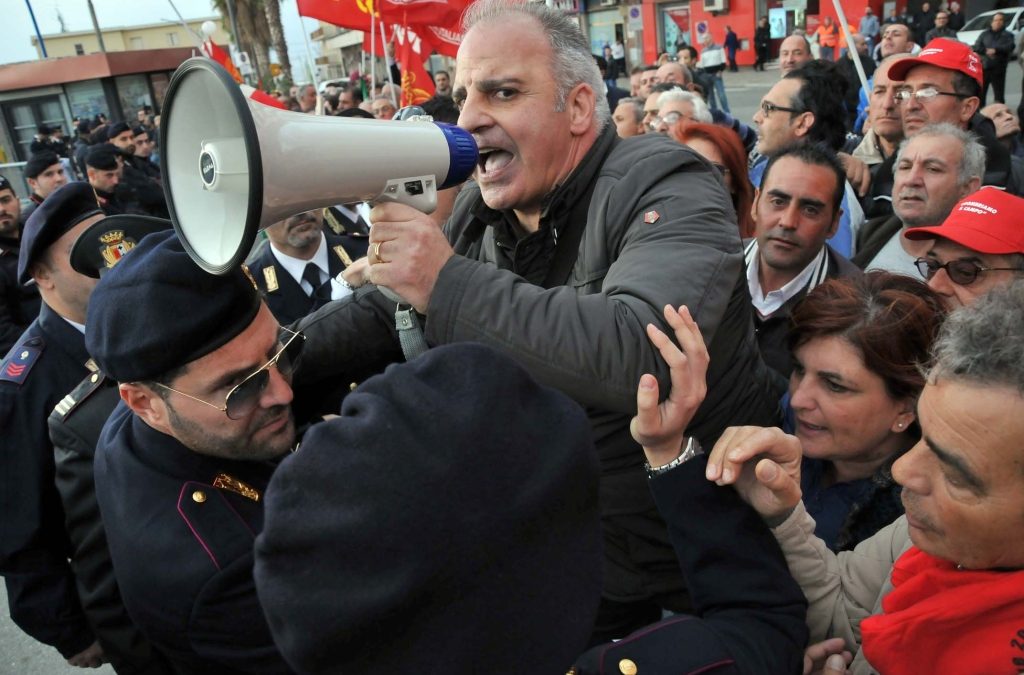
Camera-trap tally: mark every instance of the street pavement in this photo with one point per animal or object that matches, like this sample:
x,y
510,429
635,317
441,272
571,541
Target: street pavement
x,y
20,655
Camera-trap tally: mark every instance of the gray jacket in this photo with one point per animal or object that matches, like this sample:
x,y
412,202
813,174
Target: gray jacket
x,y
842,590
659,228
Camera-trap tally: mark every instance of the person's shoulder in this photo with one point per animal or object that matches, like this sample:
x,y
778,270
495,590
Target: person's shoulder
x,y
21,361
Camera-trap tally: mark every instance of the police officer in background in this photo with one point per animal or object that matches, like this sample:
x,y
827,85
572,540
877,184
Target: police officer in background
x,y
44,173
45,364
18,304
75,426
299,269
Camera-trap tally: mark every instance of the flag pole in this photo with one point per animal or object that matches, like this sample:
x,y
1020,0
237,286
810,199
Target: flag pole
x,y
387,66
850,46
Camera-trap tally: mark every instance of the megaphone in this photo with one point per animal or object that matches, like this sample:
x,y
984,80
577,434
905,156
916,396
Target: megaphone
x,y
233,166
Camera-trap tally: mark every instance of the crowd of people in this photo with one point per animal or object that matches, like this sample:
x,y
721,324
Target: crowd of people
x,y
665,391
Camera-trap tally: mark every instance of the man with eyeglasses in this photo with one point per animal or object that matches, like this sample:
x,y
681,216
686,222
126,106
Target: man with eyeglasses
x,y
980,246
679,107
806,106
204,373
935,168
47,361
942,84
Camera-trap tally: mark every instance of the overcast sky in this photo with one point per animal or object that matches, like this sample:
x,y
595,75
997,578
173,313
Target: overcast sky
x,y
16,43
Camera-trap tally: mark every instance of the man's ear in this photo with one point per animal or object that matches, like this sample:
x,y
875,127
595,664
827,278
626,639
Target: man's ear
x,y
40,272
580,104
145,403
804,124
753,205
968,107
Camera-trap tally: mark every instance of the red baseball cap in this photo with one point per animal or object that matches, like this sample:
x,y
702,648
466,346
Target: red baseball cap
x,y
987,221
942,53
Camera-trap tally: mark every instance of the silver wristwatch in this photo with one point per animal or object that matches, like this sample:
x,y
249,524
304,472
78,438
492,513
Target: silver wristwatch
x,y
690,449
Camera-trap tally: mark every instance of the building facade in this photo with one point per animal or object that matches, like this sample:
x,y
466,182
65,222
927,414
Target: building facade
x,y
130,38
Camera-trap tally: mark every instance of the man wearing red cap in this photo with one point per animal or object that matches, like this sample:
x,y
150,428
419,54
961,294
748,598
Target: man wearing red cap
x,y
980,246
943,84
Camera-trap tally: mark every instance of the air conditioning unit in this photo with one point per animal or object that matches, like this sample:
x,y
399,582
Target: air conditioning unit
x,y
609,3
716,5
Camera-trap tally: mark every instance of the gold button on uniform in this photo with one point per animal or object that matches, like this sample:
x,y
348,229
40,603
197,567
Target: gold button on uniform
x,y
199,496
627,667
95,376
352,387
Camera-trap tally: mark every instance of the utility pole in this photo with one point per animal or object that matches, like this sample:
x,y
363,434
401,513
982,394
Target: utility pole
x,y
39,36
96,27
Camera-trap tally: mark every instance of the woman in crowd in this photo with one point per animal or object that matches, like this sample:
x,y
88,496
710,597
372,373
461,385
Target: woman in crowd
x,y
858,345
723,148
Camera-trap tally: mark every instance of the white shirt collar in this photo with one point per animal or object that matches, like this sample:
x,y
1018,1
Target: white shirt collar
x,y
768,304
296,266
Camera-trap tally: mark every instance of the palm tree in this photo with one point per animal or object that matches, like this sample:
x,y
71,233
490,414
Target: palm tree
x,y
253,32
273,12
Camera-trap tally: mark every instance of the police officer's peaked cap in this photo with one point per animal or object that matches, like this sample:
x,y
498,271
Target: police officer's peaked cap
x,y
68,206
105,242
156,310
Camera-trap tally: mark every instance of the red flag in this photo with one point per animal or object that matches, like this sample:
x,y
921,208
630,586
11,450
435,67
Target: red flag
x,y
446,13
417,86
221,57
442,40
261,97
354,14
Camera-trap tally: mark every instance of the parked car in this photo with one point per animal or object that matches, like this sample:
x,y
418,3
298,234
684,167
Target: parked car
x,y
976,26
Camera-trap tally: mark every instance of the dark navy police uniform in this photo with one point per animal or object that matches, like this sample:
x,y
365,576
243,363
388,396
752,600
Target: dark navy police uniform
x,y
45,364
181,528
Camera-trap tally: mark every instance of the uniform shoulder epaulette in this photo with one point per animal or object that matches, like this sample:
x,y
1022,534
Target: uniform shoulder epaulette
x,y
16,367
340,251
79,394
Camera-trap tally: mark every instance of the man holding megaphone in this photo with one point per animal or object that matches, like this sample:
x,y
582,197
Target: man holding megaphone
x,y
568,245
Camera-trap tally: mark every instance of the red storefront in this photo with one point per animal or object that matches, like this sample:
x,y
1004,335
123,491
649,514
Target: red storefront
x,y
678,21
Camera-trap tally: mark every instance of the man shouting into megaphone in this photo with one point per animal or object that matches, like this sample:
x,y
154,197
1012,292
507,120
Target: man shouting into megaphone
x,y
570,242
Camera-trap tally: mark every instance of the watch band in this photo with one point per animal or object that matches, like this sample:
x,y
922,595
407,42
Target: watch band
x,y
690,449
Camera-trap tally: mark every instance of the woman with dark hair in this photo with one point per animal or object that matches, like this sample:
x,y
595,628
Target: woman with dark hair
x,y
722,147
858,345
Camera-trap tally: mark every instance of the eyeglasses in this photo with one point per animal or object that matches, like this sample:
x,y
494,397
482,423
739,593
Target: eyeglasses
x,y
244,396
668,119
767,107
961,272
923,95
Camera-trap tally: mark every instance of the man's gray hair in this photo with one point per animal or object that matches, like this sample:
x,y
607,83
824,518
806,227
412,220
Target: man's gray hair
x,y
572,64
637,105
983,343
972,161
701,112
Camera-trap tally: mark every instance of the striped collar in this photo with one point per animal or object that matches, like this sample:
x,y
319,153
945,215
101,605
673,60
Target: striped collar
x,y
810,277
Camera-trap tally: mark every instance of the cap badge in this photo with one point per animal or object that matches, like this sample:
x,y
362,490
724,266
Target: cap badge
x,y
115,245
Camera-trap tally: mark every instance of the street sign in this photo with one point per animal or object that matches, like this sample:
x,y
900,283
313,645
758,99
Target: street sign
x,y
702,27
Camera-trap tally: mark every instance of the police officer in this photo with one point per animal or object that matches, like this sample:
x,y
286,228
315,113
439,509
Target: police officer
x,y
104,168
299,269
204,376
18,304
44,173
45,364
74,427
